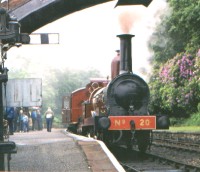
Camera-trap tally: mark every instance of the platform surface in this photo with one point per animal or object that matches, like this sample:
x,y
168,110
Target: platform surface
x,y
60,151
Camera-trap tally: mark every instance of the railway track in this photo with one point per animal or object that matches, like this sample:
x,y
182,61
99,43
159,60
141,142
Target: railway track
x,y
170,152
178,140
134,161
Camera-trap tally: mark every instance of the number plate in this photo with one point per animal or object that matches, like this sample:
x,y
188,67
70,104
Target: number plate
x,y
141,122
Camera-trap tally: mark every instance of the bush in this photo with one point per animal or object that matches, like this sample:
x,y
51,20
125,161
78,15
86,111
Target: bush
x,y
198,107
176,121
176,87
194,120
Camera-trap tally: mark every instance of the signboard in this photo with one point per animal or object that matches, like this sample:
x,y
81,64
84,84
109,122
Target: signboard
x,y
141,122
44,38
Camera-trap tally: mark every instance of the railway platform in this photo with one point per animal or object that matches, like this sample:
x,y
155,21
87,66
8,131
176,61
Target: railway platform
x,y
60,151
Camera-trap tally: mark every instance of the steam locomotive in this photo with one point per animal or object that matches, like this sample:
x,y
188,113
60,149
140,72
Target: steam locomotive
x,y
116,110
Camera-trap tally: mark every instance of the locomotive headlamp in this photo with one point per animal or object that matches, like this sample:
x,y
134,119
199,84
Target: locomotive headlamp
x,y
133,2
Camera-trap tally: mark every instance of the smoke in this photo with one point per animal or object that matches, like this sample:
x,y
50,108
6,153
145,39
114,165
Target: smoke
x,y
129,16
141,21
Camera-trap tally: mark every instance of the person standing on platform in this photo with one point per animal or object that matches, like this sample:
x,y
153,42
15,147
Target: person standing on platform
x,y
10,115
39,119
25,123
49,115
20,119
15,120
34,118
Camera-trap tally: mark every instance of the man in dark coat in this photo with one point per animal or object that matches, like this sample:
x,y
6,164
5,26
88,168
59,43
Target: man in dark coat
x,y
10,115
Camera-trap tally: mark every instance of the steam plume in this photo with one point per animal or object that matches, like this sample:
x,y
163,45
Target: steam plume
x,y
129,16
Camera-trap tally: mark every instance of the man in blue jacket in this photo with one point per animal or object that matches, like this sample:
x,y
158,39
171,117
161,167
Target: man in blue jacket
x,y
34,118
10,115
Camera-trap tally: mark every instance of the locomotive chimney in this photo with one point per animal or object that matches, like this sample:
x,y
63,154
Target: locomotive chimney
x,y
125,53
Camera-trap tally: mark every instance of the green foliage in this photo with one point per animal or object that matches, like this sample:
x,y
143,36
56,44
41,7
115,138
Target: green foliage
x,y
194,120
185,129
18,73
175,82
178,31
59,83
198,107
176,89
176,121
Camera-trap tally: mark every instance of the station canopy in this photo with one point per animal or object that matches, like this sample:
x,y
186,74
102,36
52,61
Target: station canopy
x,y
13,4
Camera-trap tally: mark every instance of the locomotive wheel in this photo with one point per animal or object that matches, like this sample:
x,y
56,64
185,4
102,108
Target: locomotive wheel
x,y
100,136
129,143
72,128
142,147
104,136
87,131
91,131
143,140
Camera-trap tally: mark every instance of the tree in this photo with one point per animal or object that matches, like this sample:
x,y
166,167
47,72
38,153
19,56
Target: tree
x,y
178,31
174,84
60,83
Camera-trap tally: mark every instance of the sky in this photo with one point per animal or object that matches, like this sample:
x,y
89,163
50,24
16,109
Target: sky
x,y
87,39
